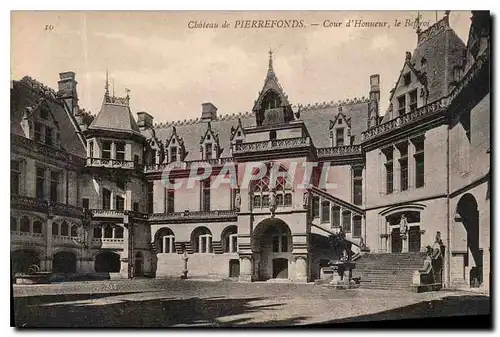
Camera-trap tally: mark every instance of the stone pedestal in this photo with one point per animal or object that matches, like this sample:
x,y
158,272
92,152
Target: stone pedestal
x,y
341,273
245,269
300,269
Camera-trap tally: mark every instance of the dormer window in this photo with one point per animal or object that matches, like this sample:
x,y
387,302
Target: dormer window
x,y
208,137
208,150
106,150
48,136
91,149
173,140
38,132
340,121
339,137
238,134
407,79
402,105
413,100
173,153
423,62
120,151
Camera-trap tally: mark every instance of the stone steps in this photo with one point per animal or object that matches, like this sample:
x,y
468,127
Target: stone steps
x,y
388,271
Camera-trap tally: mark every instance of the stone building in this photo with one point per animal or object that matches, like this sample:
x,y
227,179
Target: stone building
x,y
90,195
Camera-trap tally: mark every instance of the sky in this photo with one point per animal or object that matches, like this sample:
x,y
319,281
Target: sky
x,y
171,69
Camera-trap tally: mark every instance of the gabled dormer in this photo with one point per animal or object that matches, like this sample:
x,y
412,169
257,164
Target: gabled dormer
x,y
272,106
40,124
237,133
174,148
209,144
411,90
156,148
340,130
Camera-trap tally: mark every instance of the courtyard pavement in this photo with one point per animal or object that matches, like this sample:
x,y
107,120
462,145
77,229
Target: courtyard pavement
x,y
178,303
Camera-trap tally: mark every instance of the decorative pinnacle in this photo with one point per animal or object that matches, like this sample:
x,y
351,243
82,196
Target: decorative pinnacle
x,y
270,70
106,86
418,22
127,90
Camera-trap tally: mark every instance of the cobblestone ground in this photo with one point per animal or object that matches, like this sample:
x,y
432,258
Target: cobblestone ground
x,y
162,303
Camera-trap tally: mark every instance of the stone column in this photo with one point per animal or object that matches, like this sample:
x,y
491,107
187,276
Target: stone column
x,y
47,266
396,171
411,165
113,150
124,268
404,241
245,268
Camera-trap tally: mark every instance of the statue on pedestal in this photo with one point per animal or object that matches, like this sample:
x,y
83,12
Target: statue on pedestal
x,y
305,200
272,201
184,257
237,201
403,227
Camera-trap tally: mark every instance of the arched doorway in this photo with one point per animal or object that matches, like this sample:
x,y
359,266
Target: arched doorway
x,y
466,237
64,262
138,264
107,262
272,249
23,259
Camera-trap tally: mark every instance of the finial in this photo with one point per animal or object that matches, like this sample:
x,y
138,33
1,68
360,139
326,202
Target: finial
x,y
106,86
127,90
113,87
446,13
418,22
270,69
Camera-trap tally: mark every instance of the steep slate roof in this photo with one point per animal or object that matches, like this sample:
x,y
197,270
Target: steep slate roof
x,y
115,116
27,93
443,50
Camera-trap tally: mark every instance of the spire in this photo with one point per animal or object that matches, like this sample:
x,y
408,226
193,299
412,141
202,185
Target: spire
x,y
270,70
106,86
418,22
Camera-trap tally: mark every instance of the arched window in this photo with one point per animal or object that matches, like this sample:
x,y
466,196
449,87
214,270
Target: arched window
x,y
64,229
97,232
25,224
108,232
13,224
283,186
55,228
325,211
230,239
74,231
118,232
165,241
37,227
202,240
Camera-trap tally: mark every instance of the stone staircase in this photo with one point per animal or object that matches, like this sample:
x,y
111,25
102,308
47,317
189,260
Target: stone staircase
x,y
388,271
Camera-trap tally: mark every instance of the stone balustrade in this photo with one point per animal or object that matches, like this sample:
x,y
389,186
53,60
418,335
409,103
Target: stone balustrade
x,y
274,144
24,202
107,213
194,215
113,163
412,116
340,151
46,150
186,165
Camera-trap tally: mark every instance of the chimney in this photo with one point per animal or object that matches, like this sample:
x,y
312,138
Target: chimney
x,y
373,105
208,112
144,120
67,90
